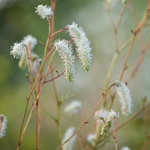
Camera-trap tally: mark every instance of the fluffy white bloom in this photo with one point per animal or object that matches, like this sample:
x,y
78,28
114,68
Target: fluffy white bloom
x,y
68,134
102,114
109,122
125,99
125,148
111,115
107,117
44,11
65,52
91,138
83,45
17,50
29,40
73,108
3,122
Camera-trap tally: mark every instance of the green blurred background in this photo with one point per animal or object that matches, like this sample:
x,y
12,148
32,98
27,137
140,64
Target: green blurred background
x,y
18,18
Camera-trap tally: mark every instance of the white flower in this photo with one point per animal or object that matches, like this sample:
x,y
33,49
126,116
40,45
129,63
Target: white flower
x,y
125,148
111,115
29,40
17,50
65,52
73,108
107,117
91,138
68,134
44,11
83,45
125,99
3,122
100,115
108,122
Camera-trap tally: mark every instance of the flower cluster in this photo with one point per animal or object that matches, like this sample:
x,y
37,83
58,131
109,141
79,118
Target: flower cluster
x,y
30,42
3,122
65,52
44,11
100,115
73,108
108,119
17,50
125,99
68,134
83,45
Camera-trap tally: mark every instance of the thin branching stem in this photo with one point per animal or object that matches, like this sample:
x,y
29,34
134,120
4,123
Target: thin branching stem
x,y
87,116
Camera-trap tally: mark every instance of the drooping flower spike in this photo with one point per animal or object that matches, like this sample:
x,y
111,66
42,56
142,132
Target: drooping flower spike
x,y
68,134
73,108
65,52
82,43
125,100
3,122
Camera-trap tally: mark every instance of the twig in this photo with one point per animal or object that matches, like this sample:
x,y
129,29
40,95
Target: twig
x,y
87,117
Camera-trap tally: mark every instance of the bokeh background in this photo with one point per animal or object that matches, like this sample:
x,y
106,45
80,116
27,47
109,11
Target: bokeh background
x,y
18,18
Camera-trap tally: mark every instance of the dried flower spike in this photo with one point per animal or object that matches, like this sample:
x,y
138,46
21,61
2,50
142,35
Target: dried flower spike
x,y
29,40
3,122
83,45
73,108
68,134
44,11
65,52
17,50
125,99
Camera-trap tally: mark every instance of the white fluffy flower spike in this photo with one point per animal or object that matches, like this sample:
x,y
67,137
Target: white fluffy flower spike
x,y
68,134
29,40
17,50
3,122
65,52
125,148
125,99
44,11
83,45
73,108
91,138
